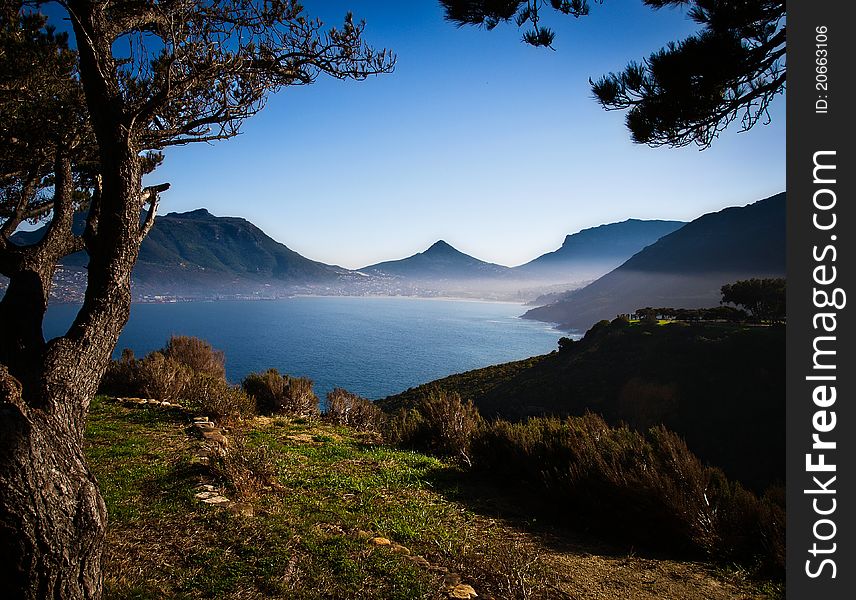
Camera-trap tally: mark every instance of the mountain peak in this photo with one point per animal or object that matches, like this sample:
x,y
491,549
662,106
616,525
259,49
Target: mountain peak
x,y
440,246
199,213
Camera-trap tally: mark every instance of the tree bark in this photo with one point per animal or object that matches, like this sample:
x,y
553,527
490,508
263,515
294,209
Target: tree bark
x,y
52,517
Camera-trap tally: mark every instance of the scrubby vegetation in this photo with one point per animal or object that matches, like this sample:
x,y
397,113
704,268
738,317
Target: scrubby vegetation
x,y
197,355
345,408
215,398
442,423
721,386
638,485
281,394
191,372
645,487
319,492
186,371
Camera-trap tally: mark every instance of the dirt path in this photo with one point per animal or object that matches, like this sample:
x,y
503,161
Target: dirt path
x,y
592,577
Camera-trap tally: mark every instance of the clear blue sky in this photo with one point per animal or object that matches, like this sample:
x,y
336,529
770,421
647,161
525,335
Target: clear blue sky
x,y
476,138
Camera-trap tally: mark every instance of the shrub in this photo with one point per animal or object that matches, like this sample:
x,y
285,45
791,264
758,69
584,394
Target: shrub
x,y
268,388
281,394
163,374
772,524
197,355
565,344
648,487
450,423
122,376
302,401
345,408
162,378
248,470
215,398
406,427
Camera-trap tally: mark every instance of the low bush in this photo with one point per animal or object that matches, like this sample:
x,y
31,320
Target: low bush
x,y
248,470
162,378
345,408
269,389
164,373
302,401
647,487
122,376
215,398
405,427
280,394
197,355
442,423
451,422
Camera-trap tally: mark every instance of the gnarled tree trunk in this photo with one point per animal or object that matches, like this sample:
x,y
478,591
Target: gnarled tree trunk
x,y
52,517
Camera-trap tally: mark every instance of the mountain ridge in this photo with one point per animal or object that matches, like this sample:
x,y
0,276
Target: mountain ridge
x,y
594,251
684,269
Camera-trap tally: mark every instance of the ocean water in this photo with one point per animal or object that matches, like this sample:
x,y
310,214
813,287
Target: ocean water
x,y
371,346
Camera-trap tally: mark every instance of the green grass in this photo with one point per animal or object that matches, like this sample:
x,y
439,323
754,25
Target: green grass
x,y
333,489
301,544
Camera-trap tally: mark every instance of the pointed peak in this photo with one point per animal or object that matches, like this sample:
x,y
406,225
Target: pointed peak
x,y
441,246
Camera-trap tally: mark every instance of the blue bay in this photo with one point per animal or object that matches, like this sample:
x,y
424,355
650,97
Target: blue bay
x,y
370,346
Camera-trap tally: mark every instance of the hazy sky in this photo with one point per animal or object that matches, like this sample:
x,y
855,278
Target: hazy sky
x,y
476,138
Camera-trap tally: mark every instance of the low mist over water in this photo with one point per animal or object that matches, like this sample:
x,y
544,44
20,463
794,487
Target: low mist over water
x,y
370,346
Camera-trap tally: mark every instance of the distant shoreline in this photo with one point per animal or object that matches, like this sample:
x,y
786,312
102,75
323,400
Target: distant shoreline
x,y
381,297
291,297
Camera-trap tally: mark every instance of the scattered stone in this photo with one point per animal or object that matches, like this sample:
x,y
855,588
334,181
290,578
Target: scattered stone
x,y
380,541
400,549
463,591
216,499
438,569
205,487
420,561
244,509
363,535
214,436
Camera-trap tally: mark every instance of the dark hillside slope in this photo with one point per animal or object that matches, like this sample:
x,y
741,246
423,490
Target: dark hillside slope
x,y
597,250
721,387
198,242
196,251
684,269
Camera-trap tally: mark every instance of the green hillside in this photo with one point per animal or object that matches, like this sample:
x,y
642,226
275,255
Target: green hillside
x,y
325,512
720,386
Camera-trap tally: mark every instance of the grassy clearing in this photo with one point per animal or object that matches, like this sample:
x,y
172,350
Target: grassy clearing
x,y
335,488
